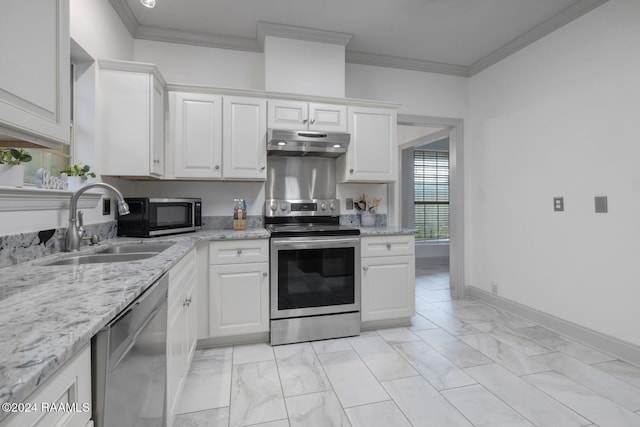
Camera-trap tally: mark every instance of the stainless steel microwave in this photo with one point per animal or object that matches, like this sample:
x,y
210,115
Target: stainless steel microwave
x,y
158,217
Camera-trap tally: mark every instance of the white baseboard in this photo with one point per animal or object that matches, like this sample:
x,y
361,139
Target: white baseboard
x,y
618,348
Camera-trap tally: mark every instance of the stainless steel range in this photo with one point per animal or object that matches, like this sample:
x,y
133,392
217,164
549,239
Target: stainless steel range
x,y
315,262
315,272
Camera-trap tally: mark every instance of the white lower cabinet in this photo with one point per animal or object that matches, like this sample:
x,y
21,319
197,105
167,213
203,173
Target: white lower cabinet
x,y
181,329
70,387
388,277
238,287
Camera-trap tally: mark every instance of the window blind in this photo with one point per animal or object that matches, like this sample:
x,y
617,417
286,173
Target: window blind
x,y
431,194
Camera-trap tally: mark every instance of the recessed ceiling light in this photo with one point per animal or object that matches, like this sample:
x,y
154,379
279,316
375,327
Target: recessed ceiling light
x,y
337,145
148,3
282,143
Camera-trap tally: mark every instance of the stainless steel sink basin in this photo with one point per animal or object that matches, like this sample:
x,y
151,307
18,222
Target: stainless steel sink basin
x,y
117,253
136,247
102,258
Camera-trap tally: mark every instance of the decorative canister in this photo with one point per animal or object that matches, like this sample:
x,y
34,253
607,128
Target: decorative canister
x,y
368,219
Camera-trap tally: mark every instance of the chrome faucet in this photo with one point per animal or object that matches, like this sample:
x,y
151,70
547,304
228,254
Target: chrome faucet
x,y
75,232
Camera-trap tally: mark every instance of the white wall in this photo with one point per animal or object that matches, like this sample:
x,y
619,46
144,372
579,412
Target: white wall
x,y
426,94
304,67
180,63
98,29
559,118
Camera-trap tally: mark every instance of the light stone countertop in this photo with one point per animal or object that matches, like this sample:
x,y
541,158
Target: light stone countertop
x,y
48,313
389,230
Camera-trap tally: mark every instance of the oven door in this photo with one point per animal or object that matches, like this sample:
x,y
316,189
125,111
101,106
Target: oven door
x,y
314,275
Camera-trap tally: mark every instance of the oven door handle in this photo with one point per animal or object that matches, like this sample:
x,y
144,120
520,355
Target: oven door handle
x,y
303,243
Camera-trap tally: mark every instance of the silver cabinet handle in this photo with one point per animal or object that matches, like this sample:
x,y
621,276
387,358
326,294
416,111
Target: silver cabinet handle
x,y
262,168
156,161
187,302
388,245
350,170
305,121
365,267
264,274
239,251
216,167
313,121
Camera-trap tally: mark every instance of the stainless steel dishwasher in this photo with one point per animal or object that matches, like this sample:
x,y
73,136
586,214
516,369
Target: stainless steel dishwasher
x,y
129,363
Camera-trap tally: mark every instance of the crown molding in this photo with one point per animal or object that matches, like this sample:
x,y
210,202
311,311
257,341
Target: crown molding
x,y
146,32
265,29
309,34
406,63
126,15
557,21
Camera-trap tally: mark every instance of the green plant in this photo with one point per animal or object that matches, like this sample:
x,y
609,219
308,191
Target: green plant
x,y
79,170
12,156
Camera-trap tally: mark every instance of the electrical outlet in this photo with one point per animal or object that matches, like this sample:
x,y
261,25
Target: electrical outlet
x,y
494,288
106,206
349,203
558,204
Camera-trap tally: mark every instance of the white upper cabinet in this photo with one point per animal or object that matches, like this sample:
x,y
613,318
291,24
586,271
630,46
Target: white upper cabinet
x,y
244,137
131,103
372,151
300,115
196,128
34,70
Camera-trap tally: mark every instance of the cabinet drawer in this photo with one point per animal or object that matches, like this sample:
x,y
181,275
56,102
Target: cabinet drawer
x,y
387,245
239,251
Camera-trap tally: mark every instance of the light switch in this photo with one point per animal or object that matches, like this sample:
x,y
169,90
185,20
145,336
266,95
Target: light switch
x,y
349,203
558,204
601,204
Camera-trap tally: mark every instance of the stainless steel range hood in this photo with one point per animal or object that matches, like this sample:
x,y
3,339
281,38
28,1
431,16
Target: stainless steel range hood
x,y
306,143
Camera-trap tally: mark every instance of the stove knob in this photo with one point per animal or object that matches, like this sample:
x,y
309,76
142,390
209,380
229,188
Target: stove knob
x,y
323,206
274,208
283,206
332,206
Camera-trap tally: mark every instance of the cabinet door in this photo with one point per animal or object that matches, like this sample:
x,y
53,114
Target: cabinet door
x,y
156,154
244,138
388,287
197,135
292,115
190,321
327,117
238,299
125,102
34,87
372,152
131,119
175,356
71,385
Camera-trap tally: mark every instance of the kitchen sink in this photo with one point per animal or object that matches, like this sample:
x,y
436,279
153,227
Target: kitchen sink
x,y
102,258
118,253
136,248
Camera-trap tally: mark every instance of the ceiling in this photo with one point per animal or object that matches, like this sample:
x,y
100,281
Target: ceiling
x,y
458,37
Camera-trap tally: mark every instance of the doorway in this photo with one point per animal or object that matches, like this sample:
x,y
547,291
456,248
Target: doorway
x,y
436,128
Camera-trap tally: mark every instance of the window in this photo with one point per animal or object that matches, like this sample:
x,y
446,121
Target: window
x,y
431,195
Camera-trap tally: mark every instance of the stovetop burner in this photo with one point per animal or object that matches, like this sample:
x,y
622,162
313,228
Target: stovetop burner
x,y
302,218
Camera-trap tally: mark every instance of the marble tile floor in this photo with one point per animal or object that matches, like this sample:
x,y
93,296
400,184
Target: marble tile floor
x,y
460,363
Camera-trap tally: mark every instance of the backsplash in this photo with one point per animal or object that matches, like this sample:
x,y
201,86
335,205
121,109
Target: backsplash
x,y
354,220
24,247
226,222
